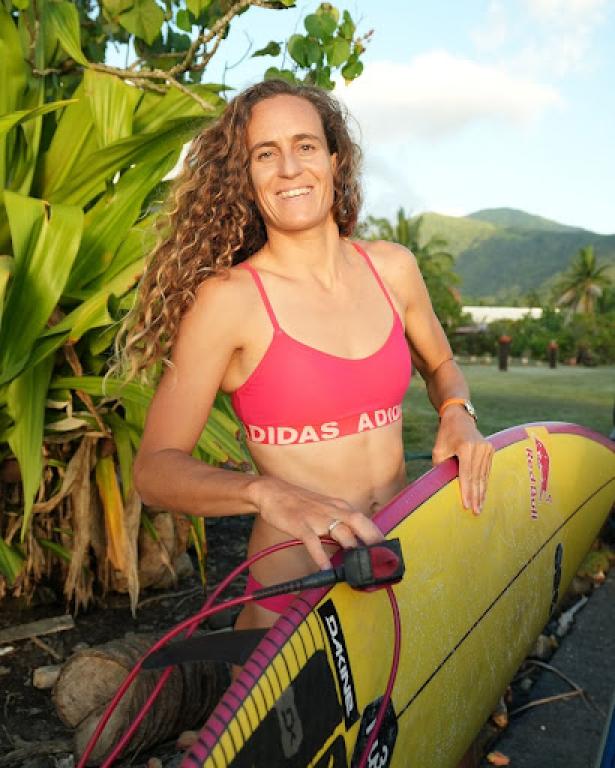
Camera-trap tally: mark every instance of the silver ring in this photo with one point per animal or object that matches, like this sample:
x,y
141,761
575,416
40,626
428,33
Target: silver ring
x,y
333,524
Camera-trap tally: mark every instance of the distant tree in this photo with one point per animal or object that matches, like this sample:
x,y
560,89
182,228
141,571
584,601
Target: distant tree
x,y
584,283
433,259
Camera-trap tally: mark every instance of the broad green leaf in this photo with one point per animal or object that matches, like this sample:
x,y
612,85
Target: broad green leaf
x,y
326,9
211,438
13,68
21,5
155,111
121,438
74,140
323,78
182,19
271,49
89,176
6,270
353,69
15,118
300,50
337,50
273,73
107,224
11,562
112,103
127,262
295,46
143,20
41,272
26,405
321,25
196,7
89,314
114,7
64,20
347,27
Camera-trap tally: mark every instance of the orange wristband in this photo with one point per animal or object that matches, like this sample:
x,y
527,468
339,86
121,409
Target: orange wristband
x,y
451,401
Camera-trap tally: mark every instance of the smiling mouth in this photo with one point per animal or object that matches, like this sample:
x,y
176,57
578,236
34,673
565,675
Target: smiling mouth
x,y
298,192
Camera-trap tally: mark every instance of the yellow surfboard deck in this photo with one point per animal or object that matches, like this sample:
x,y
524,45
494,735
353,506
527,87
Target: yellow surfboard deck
x,y
475,595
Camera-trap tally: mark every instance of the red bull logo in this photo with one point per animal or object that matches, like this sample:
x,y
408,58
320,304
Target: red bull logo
x,y
538,471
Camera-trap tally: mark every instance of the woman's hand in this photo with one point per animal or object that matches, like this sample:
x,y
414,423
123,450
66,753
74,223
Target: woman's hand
x,y
308,516
458,436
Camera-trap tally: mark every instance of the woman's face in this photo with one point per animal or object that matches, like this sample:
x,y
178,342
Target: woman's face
x,y
290,166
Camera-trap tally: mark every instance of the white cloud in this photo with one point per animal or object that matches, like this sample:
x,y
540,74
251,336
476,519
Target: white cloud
x,y
566,12
563,32
495,30
438,94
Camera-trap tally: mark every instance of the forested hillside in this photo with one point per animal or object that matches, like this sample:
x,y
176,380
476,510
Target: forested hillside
x,y
502,255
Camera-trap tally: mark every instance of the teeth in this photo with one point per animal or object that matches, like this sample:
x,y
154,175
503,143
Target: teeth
x,y
295,192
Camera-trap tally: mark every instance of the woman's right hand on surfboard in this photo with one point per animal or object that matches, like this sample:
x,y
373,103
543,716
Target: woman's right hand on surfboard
x,y
309,516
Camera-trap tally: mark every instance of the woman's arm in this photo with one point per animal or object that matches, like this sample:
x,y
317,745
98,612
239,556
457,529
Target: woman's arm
x,y
432,356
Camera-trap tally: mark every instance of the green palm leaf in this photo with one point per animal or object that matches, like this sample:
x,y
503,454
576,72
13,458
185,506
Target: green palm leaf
x,y
45,241
9,121
218,441
11,561
26,405
91,172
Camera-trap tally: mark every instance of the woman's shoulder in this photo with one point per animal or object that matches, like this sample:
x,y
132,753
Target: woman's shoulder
x,y
224,299
394,262
231,285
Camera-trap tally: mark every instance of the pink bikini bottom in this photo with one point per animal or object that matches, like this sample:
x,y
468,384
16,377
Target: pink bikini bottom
x,y
276,604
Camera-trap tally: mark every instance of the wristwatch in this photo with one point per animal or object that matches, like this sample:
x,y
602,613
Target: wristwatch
x,y
458,401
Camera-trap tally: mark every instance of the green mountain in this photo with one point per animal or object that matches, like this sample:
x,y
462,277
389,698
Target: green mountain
x,y
502,254
511,217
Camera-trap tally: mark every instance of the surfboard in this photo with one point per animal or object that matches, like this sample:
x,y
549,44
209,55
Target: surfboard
x,y
606,757
475,595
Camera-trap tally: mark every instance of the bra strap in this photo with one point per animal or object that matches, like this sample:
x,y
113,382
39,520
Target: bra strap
x,y
261,290
376,275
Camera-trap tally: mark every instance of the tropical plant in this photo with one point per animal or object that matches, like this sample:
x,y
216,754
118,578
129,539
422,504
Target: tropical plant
x,y
433,259
584,282
85,149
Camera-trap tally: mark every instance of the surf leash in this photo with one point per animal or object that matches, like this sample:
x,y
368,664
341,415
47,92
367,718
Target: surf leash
x,y
365,568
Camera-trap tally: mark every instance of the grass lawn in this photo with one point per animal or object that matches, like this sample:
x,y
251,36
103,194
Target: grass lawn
x,y
521,394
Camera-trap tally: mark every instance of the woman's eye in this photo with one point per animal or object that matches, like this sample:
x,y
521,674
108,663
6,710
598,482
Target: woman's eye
x,y
264,155
307,147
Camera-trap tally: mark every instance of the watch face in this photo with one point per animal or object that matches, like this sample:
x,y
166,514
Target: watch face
x,y
470,409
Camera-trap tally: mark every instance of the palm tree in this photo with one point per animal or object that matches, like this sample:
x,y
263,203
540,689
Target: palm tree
x,y
582,285
434,261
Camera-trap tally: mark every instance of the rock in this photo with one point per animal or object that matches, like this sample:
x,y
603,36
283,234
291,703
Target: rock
x,y
543,648
45,677
186,739
80,647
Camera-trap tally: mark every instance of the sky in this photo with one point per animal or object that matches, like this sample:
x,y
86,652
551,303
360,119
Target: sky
x,y
470,105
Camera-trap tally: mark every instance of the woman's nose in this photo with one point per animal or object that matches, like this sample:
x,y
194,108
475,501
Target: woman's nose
x,y
289,164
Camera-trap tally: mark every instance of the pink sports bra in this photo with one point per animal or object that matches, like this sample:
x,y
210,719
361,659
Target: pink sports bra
x,y
298,394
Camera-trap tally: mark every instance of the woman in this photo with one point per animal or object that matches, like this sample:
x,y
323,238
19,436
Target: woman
x,y
255,290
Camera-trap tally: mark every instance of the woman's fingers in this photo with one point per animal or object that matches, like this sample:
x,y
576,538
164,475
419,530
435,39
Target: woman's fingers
x,y
314,546
342,533
474,468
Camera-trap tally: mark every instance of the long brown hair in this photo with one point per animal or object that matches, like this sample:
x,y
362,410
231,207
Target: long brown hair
x,y
211,222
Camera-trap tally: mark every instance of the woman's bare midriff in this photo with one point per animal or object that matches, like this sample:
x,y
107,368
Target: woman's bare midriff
x,y
366,470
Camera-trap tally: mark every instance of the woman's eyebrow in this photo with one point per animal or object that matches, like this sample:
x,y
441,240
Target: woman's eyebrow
x,y
296,137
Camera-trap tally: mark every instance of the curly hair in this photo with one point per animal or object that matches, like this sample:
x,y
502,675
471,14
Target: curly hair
x,y
212,223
